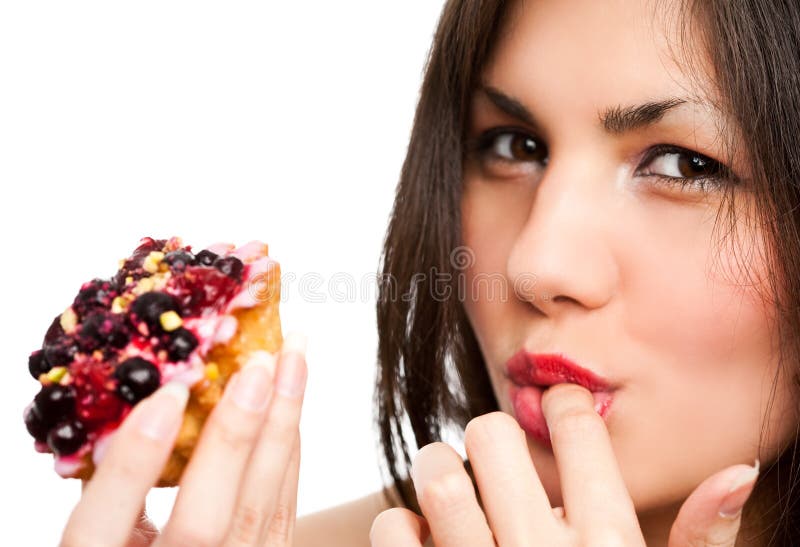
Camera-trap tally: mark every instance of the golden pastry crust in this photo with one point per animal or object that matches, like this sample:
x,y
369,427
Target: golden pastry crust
x,y
259,328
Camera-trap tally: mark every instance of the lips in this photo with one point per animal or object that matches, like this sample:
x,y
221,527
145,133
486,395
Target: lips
x,y
532,373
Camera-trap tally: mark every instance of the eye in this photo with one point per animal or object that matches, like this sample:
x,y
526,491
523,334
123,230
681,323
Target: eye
x,y
518,147
673,165
508,152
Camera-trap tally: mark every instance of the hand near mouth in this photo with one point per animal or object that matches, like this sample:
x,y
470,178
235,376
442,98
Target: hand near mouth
x,y
515,509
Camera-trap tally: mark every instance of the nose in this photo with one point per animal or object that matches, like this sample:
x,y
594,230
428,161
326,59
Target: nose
x,y
562,256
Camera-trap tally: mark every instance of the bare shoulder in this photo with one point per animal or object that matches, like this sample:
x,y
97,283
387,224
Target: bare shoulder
x,y
345,525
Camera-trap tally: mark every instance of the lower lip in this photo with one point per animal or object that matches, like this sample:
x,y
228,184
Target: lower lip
x,y
527,402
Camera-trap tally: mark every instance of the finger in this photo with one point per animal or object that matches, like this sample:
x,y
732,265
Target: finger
x,y
711,515
513,497
258,499
279,531
134,459
210,483
144,533
447,498
596,500
398,527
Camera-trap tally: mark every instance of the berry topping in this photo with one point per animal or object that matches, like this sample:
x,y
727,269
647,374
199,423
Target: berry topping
x,y
201,291
37,364
96,402
159,315
134,266
67,437
206,258
61,352
170,320
37,427
181,344
94,294
137,379
100,329
230,266
179,260
149,307
55,402
54,332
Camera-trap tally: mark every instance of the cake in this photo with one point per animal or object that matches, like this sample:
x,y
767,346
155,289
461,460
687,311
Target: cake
x,y
168,314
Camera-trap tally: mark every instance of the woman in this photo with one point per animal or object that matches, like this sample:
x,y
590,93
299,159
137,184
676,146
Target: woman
x,y
566,177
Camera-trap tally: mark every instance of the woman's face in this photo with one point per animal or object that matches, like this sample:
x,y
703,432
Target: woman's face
x,y
620,269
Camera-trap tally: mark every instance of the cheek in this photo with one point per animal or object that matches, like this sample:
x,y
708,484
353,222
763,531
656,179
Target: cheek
x,y
490,223
699,302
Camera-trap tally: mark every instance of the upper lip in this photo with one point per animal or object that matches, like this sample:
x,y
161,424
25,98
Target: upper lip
x,y
546,369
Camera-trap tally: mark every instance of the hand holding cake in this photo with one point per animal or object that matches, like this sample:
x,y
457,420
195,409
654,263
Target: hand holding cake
x,y
175,371
167,315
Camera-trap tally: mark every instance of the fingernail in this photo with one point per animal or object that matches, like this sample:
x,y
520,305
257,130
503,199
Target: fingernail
x,y
739,492
251,387
161,414
291,373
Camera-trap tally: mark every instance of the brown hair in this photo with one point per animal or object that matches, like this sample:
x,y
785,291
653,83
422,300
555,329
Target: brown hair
x,y
431,374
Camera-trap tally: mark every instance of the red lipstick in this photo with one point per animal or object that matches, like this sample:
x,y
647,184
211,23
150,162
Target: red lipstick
x,y
532,373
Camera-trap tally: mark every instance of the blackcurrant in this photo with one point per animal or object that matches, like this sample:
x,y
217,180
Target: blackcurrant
x,y
37,364
55,402
94,294
101,329
149,307
137,378
60,353
178,260
206,257
181,344
66,437
230,266
37,427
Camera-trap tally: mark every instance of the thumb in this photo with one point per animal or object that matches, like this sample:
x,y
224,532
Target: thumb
x,y
712,514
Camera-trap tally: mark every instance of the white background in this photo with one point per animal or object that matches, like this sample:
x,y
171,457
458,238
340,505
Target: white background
x,y
281,121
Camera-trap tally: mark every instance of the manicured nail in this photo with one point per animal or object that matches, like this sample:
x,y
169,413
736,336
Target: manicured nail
x,y
292,374
739,492
160,415
252,385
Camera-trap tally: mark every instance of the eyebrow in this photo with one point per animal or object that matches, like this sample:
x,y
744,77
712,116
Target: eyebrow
x,y
615,120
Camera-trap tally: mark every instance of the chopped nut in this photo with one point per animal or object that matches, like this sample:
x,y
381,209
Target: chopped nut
x,y
56,373
170,320
212,371
145,285
69,320
119,304
152,261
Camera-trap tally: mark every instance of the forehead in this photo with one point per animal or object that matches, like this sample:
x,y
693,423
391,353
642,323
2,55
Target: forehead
x,y
589,54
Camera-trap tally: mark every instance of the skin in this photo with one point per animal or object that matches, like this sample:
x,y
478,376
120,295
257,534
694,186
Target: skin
x,y
622,273
248,456
629,280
